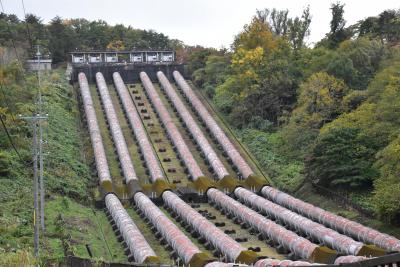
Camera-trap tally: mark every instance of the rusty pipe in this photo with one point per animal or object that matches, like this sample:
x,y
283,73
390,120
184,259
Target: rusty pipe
x,y
213,126
138,129
338,223
116,132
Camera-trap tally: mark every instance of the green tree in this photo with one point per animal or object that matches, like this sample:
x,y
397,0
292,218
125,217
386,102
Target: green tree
x,y
256,34
386,197
62,40
319,102
299,29
341,157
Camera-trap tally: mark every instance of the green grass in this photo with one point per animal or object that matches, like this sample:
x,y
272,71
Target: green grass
x,y
70,221
77,226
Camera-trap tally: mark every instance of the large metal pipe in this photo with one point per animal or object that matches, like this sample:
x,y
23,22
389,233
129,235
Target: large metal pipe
x,y
224,264
265,263
135,241
213,126
103,171
349,259
340,224
181,244
327,236
116,132
276,263
170,127
140,134
300,246
225,244
315,230
194,129
215,236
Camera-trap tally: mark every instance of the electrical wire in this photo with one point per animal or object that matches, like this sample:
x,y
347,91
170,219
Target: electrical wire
x,y
27,25
10,138
7,101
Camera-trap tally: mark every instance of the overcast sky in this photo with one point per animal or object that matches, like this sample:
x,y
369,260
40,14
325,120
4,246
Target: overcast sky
x,y
211,23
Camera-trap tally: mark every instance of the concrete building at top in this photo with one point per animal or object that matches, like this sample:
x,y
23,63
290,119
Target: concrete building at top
x,y
115,57
34,64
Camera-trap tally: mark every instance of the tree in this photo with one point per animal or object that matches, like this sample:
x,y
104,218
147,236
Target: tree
x,y
256,34
386,197
319,102
299,29
116,46
62,40
341,157
386,26
337,33
294,29
213,73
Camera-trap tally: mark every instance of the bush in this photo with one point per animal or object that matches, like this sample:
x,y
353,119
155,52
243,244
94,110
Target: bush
x,y
5,162
286,173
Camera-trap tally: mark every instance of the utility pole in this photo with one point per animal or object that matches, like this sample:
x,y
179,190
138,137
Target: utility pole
x,y
41,182
35,120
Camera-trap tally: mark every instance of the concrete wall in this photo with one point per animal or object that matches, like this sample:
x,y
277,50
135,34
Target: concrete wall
x,y
129,73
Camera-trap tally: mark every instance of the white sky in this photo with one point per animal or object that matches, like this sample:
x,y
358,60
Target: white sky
x,y
211,23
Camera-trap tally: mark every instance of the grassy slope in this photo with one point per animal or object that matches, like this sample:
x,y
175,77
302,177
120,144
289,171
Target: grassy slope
x,y
68,181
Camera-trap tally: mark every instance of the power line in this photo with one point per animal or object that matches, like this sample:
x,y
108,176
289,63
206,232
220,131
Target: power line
x,y
27,24
10,138
6,101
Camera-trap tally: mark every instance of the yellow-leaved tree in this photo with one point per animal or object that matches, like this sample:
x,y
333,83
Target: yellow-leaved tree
x,y
117,45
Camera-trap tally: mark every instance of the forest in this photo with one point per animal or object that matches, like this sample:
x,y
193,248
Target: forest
x,y
61,36
326,115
